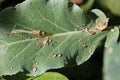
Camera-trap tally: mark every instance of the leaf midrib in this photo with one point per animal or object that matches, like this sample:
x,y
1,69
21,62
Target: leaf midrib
x,y
55,35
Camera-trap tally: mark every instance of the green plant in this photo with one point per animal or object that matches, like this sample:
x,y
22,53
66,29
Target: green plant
x,y
40,35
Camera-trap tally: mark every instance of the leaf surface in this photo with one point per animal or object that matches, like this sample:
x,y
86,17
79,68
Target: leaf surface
x,y
67,42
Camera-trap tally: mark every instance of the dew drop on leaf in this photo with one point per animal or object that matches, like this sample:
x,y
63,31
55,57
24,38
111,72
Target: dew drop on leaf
x,y
59,55
94,46
36,63
85,45
11,67
34,69
112,30
110,50
54,55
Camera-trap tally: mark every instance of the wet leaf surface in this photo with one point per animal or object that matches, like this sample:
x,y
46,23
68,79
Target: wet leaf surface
x,y
68,39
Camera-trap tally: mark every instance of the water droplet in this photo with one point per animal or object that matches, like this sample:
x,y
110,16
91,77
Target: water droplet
x,y
34,69
85,45
110,50
59,55
112,30
47,41
54,55
94,46
11,67
36,63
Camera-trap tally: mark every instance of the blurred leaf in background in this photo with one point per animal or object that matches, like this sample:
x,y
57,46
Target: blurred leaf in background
x,y
0,4
112,5
87,5
1,1
18,76
112,56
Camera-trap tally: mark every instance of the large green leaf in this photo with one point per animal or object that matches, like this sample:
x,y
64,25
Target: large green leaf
x,y
112,57
69,40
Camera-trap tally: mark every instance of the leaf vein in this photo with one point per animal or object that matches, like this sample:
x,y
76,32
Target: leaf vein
x,y
51,21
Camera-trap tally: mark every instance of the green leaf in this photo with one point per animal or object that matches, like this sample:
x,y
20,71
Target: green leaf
x,y
1,1
71,36
50,76
112,36
112,5
112,57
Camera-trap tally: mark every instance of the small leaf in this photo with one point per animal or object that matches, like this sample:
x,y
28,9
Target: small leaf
x,y
66,37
